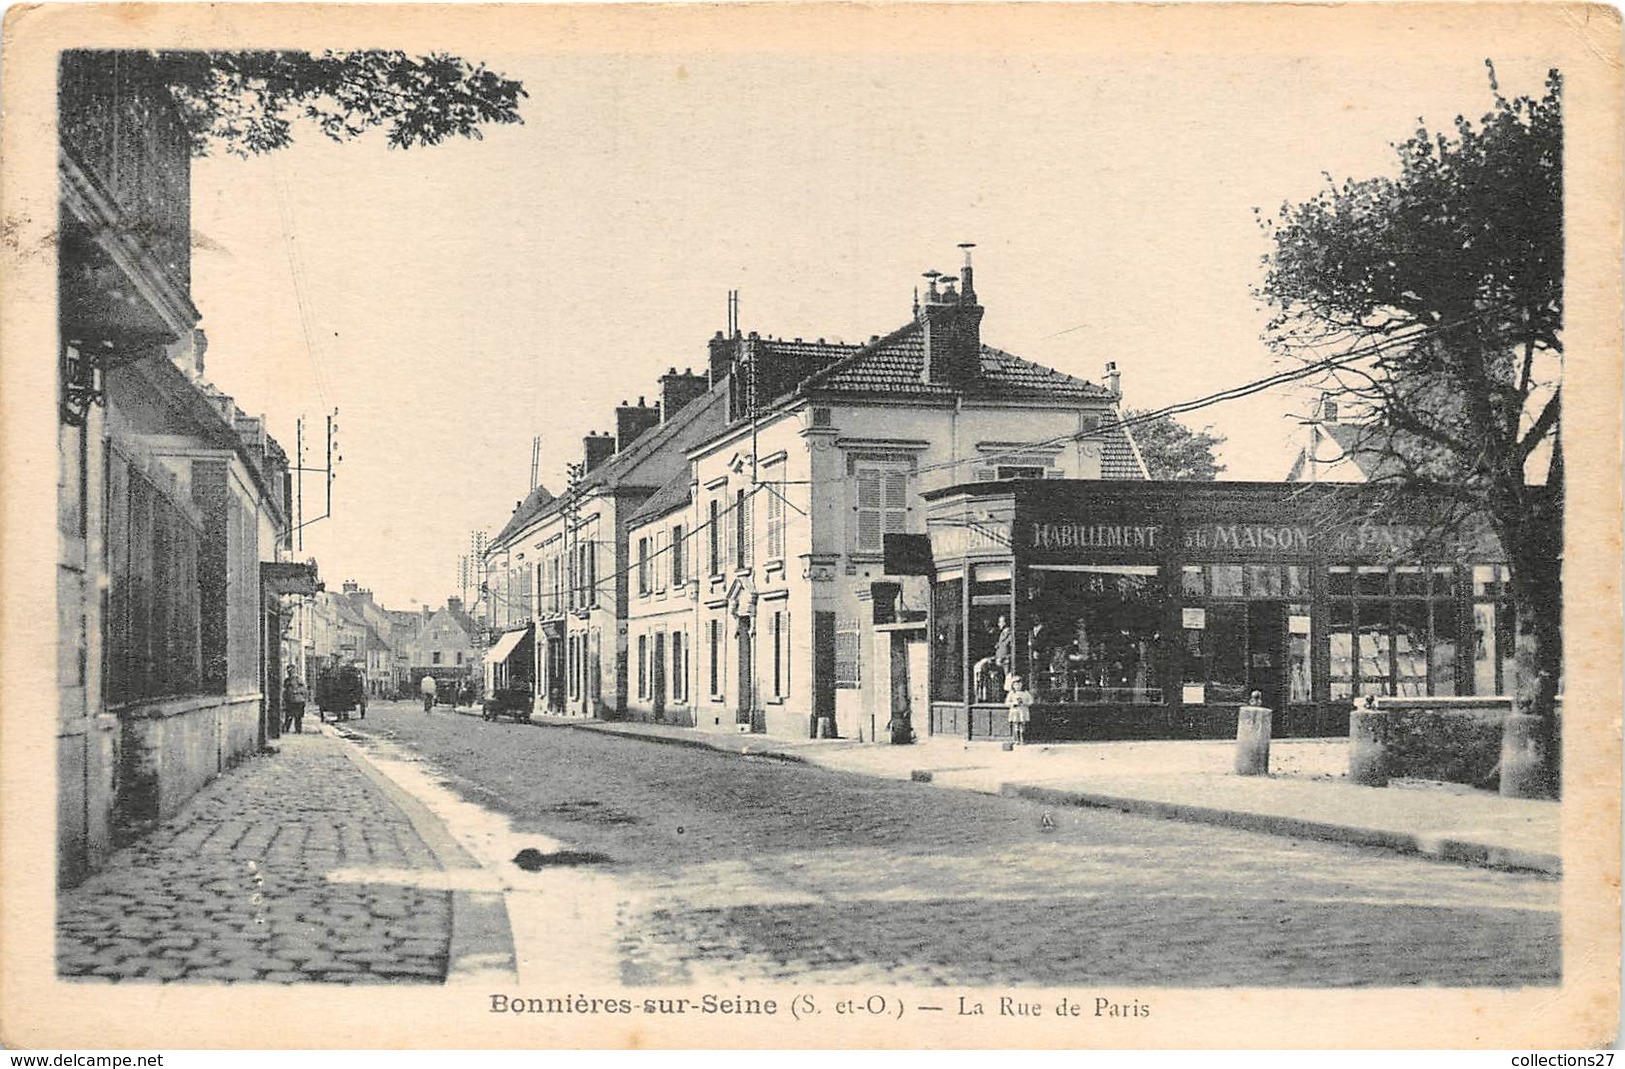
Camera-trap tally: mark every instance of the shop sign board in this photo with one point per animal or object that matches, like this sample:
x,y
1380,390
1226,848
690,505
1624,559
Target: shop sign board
x,y
1052,536
957,537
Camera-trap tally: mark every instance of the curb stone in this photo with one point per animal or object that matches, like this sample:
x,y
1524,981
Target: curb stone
x,y
481,940
1434,847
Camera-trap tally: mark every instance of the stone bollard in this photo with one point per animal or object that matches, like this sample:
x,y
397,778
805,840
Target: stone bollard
x,y
1253,739
1525,764
1368,747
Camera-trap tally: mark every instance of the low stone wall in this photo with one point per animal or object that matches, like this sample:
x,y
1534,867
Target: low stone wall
x,y
1452,740
170,749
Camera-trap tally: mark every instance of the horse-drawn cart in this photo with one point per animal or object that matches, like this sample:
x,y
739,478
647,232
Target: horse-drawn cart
x,y
341,692
511,702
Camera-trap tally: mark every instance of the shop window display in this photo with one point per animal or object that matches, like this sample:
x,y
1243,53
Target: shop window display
x,y
1094,634
992,640
1393,631
1242,635
1494,636
947,618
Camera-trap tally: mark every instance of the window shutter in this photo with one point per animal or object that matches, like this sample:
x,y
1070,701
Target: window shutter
x,y
896,502
869,510
775,521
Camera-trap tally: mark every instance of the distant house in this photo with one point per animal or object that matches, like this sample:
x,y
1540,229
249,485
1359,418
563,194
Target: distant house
x,y
444,647
1335,451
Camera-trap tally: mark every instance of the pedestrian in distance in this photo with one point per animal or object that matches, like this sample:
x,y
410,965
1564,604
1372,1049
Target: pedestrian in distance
x,y
1020,701
427,688
293,702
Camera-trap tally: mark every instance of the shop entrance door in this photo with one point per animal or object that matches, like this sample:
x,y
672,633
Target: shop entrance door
x,y
1266,652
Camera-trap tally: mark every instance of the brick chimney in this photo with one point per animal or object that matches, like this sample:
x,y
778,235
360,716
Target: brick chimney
x,y
632,420
722,357
596,448
951,322
1114,379
676,391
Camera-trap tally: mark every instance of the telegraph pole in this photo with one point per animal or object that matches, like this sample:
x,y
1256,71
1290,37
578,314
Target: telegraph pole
x,y
329,472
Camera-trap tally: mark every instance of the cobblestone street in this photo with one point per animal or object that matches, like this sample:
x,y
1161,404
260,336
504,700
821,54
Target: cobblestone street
x,y
734,867
237,887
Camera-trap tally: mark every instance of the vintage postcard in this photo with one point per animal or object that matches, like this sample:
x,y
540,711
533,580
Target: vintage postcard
x,y
811,526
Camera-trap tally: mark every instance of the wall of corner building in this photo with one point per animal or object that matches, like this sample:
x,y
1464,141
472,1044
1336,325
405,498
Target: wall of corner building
x,y
816,464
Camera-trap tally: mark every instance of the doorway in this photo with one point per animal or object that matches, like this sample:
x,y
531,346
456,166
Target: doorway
x,y
1266,652
658,670
745,712
1244,649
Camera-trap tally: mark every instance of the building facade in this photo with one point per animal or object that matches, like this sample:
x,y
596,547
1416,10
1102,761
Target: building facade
x,y
172,510
1156,610
444,648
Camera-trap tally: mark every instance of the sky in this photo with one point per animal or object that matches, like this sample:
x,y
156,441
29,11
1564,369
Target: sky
x,y
451,303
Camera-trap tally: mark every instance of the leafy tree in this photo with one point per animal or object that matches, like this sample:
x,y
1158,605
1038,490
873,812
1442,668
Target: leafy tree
x,y
1436,300
247,102
1174,451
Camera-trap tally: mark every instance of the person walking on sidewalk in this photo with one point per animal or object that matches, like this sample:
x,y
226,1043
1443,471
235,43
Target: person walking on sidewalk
x,y
1020,701
427,688
293,702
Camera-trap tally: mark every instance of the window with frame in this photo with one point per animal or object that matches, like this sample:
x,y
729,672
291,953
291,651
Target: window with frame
x,y
775,517
1495,638
713,529
679,670
1237,620
643,666
947,637
714,641
643,566
657,572
848,651
1018,471
434,657
679,552
881,503
1393,630
781,653
742,529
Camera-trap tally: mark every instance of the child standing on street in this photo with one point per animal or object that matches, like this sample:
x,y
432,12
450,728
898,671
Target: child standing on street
x,y
1020,701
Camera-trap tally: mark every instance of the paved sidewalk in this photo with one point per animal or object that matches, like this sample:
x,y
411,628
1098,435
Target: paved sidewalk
x,y
1307,794
266,875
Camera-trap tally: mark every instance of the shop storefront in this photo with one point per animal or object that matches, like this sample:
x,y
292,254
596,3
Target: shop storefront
x,y
510,663
1154,610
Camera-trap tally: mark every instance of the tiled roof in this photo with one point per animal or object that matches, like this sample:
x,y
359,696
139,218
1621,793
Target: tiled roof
x,y
695,421
704,415
535,503
672,496
894,365
1119,459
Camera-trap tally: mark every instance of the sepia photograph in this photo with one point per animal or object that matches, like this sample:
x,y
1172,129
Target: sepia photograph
x,y
810,525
